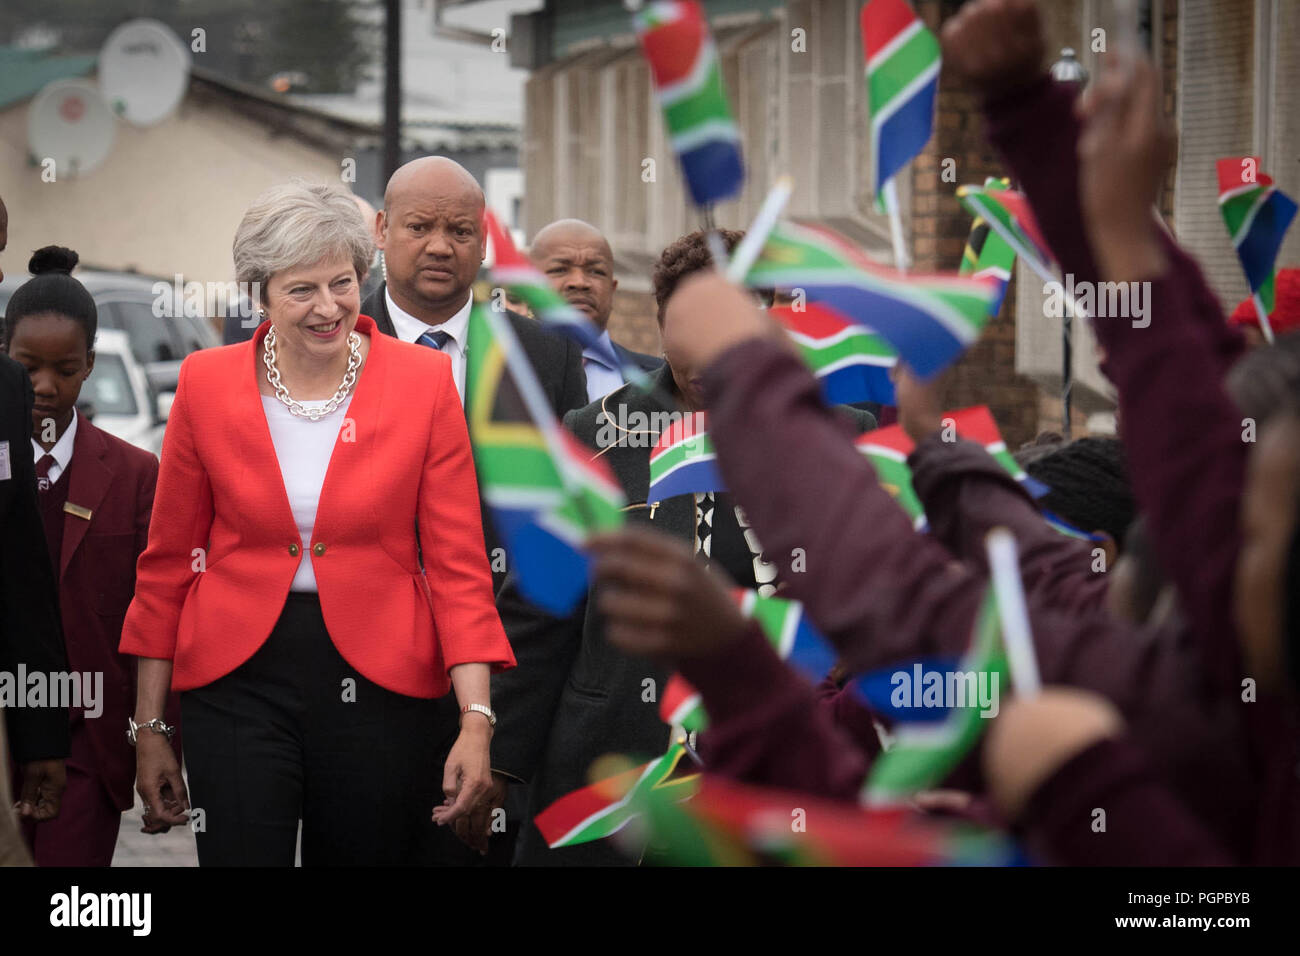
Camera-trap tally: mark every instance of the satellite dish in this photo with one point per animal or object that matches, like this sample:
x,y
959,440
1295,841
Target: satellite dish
x,y
70,123
144,70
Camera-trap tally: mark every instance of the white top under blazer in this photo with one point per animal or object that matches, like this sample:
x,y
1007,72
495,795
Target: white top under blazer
x,y
304,448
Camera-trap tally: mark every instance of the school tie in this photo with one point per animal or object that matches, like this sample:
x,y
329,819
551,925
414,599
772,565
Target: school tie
x,y
435,339
43,467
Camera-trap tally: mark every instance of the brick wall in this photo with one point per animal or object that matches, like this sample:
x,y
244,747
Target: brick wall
x,y
986,375
632,324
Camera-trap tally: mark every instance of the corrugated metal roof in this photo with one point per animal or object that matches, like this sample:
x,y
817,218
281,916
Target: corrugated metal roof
x,y
23,73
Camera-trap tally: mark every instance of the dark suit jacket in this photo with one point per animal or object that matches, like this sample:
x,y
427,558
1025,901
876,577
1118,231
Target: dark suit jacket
x,y
558,363
574,697
577,697
29,609
115,482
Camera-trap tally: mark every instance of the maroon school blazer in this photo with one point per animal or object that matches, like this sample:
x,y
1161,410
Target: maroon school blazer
x,y
105,527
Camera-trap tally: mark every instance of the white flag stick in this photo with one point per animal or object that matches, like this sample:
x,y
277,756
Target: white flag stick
x,y
747,251
901,260
1004,566
1264,323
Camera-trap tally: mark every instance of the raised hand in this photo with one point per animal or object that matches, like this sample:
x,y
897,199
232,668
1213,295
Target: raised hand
x,y
1126,146
726,316
658,600
1034,737
919,411
996,45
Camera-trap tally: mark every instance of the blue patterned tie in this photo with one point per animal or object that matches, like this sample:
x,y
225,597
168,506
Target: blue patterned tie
x,y
435,339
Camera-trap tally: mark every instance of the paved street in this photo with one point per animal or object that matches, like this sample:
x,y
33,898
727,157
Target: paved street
x,y
174,848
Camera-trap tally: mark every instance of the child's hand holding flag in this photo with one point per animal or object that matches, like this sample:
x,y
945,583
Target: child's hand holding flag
x,y
1126,146
658,600
997,45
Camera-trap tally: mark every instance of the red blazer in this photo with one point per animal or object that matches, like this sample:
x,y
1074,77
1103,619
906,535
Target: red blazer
x,y
223,544
114,482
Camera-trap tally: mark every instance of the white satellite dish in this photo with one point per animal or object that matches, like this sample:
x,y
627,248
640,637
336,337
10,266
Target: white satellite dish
x,y
144,70
70,123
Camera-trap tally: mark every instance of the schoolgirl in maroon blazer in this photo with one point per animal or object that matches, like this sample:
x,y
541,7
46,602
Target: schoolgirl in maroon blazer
x,y
96,492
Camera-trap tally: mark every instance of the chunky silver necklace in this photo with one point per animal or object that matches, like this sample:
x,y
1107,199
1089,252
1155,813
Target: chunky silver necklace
x,y
296,407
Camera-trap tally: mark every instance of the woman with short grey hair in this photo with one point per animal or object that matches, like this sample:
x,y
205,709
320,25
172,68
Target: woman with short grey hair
x,y
300,222
315,575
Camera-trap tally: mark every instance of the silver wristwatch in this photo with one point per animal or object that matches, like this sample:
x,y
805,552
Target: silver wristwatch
x,y
156,725
481,709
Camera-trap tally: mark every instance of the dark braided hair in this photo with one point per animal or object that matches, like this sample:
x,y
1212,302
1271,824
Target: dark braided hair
x,y
52,289
1089,485
1044,444
684,256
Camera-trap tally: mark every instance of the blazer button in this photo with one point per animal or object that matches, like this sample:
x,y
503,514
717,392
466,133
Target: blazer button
x,y
318,549
293,550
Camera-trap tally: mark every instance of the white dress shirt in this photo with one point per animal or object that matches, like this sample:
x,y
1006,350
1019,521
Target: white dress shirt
x,y
304,448
601,378
409,328
62,450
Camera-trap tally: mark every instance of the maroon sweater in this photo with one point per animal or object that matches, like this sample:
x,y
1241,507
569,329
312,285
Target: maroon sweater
x,y
884,594
1182,434
1188,722
1145,825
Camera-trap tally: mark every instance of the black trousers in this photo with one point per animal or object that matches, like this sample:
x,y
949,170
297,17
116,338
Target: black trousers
x,y
296,733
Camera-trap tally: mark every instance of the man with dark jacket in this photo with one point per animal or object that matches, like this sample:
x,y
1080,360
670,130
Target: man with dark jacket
x,y
431,234
577,260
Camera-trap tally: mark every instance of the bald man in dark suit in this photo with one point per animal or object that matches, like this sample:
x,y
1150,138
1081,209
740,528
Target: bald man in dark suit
x,y
431,234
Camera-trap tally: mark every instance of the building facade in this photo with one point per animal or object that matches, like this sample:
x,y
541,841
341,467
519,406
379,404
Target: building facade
x,y
594,147
168,198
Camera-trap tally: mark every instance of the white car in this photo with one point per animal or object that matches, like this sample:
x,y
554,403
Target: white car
x,y
117,397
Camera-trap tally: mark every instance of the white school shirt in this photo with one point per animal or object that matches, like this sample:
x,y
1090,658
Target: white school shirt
x,y
409,328
62,450
303,448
